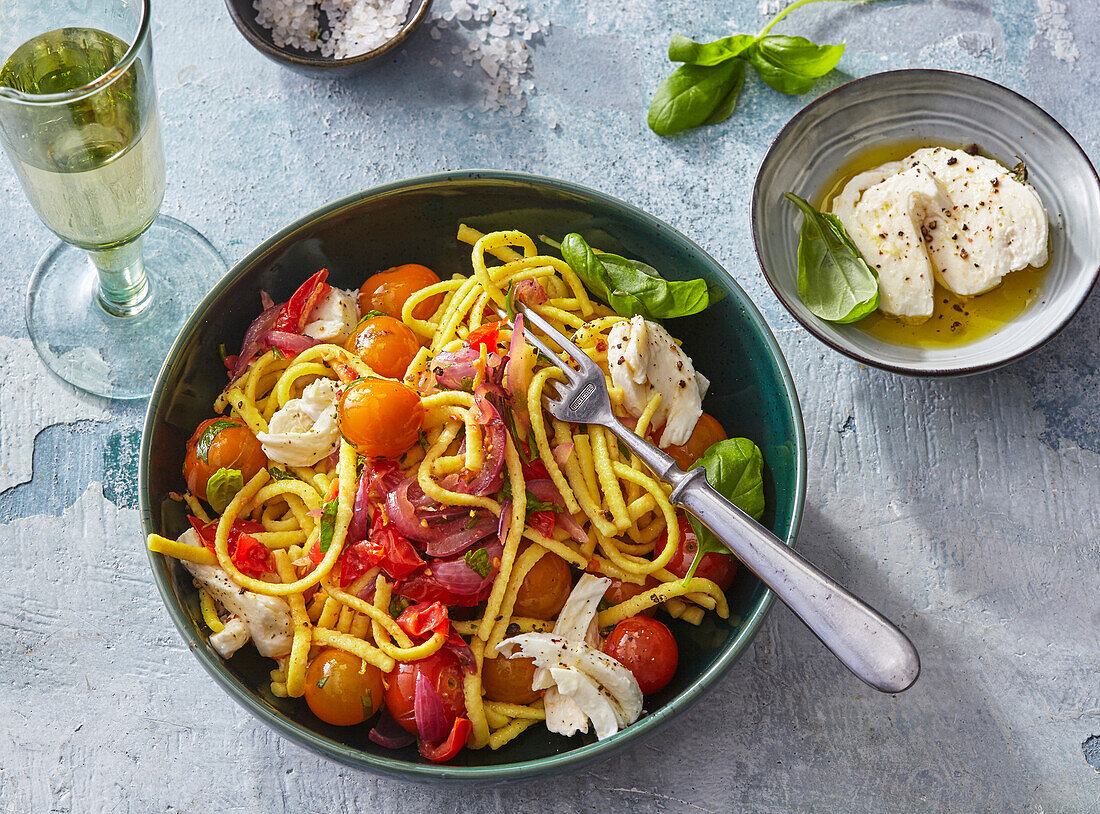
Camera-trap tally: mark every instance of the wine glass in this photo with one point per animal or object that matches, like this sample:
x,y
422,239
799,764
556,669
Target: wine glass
x,y
79,121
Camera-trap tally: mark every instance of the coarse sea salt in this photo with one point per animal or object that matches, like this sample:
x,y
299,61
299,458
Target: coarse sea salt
x,y
494,35
353,26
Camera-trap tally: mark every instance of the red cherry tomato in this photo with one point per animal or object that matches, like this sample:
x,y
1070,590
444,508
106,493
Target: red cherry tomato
x,y
646,648
443,670
718,568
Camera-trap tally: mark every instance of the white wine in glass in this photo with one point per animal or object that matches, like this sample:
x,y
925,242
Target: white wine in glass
x,y
79,120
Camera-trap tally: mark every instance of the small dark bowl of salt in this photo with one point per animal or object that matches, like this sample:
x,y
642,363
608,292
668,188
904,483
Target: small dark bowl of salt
x,y
330,38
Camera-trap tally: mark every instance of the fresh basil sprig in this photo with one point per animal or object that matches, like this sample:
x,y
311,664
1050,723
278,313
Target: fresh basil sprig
x,y
202,447
704,90
328,524
735,468
834,281
223,487
632,287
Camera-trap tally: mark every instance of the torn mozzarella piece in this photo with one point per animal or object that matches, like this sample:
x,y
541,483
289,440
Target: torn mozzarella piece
x,y
961,219
644,359
264,619
304,430
334,317
887,217
233,636
999,224
582,683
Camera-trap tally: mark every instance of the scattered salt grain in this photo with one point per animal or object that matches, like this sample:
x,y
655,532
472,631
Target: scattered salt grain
x,y
494,35
350,27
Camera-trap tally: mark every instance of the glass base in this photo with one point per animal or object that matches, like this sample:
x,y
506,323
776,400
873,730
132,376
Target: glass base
x,y
118,357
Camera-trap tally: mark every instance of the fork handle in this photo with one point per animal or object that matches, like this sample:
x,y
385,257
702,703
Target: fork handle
x,y
863,639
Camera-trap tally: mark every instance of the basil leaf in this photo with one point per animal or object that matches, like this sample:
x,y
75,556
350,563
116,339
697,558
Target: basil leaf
x,y
398,605
631,287
792,64
536,505
280,474
690,96
328,524
202,448
370,315
834,281
735,468
681,49
223,487
477,560
725,107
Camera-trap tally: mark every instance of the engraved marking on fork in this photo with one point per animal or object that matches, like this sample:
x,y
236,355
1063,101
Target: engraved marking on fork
x,y
582,397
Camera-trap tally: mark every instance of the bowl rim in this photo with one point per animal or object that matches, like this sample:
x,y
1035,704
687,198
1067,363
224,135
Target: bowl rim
x,y
811,325
356,758
304,60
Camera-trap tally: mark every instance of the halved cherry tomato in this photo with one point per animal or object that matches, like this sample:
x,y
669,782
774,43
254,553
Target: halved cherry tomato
x,y
221,443
424,619
387,291
296,311
386,344
543,522
381,417
509,680
543,592
486,335
443,670
251,557
441,753
342,689
385,547
535,470
645,647
707,432
717,567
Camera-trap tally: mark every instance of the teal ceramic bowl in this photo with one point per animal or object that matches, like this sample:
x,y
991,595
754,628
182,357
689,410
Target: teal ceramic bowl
x,y
416,221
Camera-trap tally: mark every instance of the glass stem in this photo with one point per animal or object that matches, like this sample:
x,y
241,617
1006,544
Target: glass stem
x,y
123,286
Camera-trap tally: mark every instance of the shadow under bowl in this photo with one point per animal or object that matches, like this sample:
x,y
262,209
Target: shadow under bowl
x,y
932,107
311,63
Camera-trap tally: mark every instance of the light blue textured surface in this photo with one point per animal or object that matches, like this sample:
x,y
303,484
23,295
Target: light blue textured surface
x,y
966,510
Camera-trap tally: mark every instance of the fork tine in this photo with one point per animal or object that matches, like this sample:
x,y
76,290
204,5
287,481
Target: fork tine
x,y
575,353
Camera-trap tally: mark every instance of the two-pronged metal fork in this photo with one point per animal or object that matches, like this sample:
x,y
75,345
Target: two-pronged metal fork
x,y
862,638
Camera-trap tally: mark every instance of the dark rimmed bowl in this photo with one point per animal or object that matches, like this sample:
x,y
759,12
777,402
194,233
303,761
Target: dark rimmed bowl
x,y
416,220
935,107
313,64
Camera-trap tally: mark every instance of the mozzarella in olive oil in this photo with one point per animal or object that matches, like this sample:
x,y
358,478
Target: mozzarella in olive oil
x,y
955,320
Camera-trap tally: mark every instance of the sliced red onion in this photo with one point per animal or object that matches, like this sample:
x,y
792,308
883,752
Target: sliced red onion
x,y
505,520
287,342
456,370
251,347
359,527
459,578
441,539
494,440
389,734
517,374
457,645
265,300
530,292
431,717
545,490
562,452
